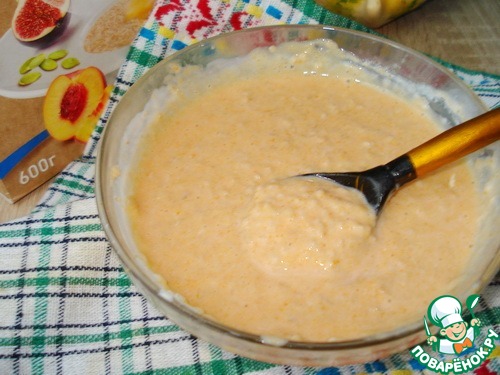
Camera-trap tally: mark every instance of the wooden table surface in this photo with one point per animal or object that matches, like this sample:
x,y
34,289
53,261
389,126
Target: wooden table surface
x,y
465,32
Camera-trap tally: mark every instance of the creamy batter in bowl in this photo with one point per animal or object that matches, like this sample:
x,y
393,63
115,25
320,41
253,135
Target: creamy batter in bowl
x,y
387,65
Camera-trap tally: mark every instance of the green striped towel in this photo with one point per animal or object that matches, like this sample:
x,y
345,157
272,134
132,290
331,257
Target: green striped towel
x,y
66,304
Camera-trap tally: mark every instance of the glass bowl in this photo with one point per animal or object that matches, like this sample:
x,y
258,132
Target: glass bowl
x,y
456,103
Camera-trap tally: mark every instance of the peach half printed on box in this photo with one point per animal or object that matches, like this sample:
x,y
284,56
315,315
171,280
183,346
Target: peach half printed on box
x,y
34,151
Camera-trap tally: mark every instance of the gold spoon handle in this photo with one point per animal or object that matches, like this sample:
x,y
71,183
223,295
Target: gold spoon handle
x,y
456,142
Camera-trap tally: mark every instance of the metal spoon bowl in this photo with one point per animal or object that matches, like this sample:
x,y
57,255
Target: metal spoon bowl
x,y
379,183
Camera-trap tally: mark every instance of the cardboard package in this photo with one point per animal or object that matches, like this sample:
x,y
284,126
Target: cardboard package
x,y
45,124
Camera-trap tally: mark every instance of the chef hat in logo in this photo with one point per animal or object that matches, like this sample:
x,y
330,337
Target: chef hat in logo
x,y
445,311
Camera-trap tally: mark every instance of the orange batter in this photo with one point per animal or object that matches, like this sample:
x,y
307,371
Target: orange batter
x,y
215,215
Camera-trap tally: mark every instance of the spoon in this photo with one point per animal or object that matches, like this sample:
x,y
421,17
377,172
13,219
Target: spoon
x,y
379,183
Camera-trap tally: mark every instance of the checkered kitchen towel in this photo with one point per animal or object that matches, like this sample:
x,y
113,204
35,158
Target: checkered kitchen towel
x,y
66,305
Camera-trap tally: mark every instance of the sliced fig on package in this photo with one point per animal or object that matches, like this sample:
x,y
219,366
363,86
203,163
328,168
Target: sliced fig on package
x,y
33,19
